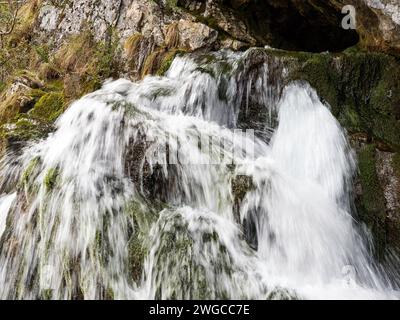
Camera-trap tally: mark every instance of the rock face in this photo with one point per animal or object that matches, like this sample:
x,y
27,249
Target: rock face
x,y
294,25
303,25
379,24
194,35
309,25
126,17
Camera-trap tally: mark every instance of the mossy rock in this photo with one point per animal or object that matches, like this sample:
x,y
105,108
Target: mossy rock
x,y
372,192
182,272
25,129
371,205
363,90
137,254
49,107
21,100
38,122
143,217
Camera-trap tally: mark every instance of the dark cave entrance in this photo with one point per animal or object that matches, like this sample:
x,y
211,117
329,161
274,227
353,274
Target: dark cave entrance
x,y
296,25
313,26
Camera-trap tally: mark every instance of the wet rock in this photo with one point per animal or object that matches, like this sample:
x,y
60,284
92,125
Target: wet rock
x,y
151,182
241,186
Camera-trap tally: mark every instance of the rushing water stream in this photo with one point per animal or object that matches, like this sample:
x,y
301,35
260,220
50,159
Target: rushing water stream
x,y
132,196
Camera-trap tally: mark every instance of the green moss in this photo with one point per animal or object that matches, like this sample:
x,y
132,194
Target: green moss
x,y
318,70
34,118
54,85
372,192
384,102
137,253
143,217
142,214
49,107
36,94
350,119
25,129
28,173
178,249
363,89
372,206
50,180
38,122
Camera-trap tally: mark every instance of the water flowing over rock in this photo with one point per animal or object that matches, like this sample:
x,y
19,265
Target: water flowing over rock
x,y
131,196
266,172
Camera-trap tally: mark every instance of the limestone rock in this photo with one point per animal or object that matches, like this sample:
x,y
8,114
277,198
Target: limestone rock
x,y
194,35
381,27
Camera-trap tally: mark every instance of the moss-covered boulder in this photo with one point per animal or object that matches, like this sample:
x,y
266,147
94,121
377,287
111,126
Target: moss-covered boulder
x,y
363,90
49,107
36,119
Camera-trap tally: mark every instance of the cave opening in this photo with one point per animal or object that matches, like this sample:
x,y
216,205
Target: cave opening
x,y
314,26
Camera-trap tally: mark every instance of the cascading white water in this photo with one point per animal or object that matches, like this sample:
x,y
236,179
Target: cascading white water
x,y
131,197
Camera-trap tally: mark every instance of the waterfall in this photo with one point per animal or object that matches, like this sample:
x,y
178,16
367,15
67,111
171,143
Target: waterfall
x,y
168,189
